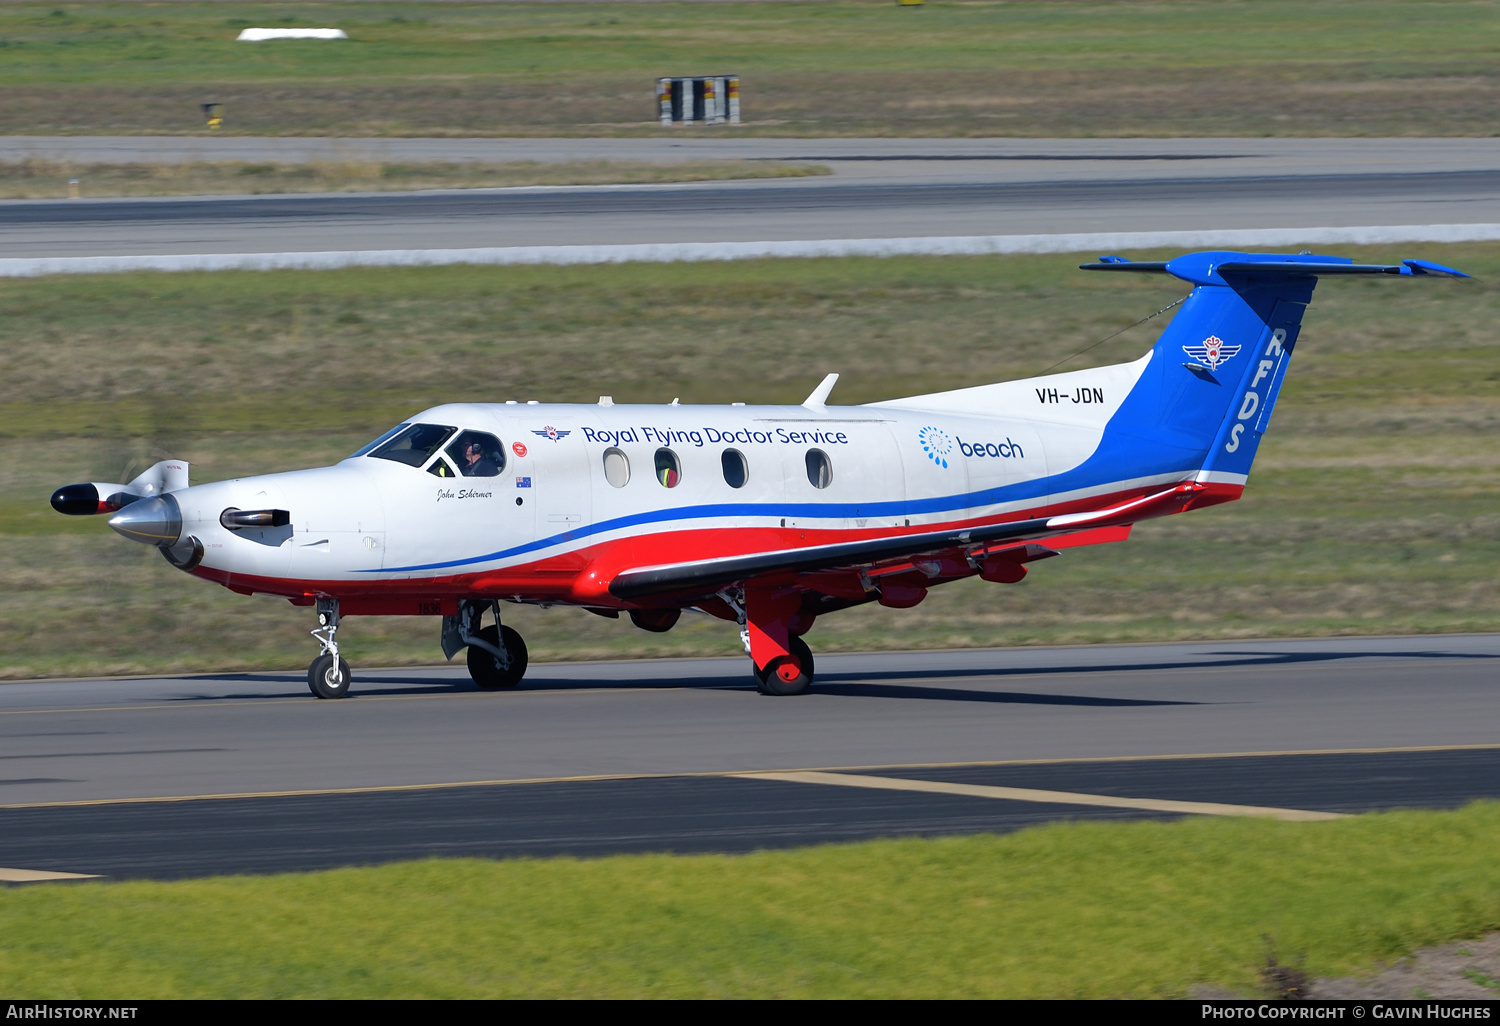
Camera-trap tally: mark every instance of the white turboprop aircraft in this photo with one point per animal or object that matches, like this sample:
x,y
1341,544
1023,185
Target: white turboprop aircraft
x,y
765,516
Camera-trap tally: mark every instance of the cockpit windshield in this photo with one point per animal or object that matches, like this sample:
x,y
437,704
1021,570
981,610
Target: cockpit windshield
x,y
412,444
364,450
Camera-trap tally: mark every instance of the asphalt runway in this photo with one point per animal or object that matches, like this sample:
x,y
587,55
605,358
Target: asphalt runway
x,y
196,775
879,189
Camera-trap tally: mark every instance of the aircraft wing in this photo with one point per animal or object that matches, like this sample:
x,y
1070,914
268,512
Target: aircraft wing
x,y
707,576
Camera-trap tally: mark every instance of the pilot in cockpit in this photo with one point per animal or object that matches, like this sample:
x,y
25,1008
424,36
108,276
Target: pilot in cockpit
x,y
476,463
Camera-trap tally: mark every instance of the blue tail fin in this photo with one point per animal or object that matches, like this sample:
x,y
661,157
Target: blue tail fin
x,y
1217,369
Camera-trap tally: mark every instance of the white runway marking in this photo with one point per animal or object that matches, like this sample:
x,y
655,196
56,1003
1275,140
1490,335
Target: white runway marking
x,y
670,252
1027,794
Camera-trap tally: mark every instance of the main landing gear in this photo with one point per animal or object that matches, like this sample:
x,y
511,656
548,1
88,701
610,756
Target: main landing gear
x,y
791,674
771,623
497,655
328,676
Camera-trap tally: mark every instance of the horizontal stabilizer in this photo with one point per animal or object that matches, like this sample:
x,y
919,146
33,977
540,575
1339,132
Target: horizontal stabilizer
x,y
1210,268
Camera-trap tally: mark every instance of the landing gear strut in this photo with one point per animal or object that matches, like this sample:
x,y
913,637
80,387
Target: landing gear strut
x,y
790,674
328,676
780,661
497,655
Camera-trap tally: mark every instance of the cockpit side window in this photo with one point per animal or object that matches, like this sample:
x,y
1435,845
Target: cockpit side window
x,y
413,445
477,454
440,468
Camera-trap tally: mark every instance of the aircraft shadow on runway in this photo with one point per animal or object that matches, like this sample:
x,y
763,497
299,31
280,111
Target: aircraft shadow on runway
x,y
419,686
1206,661
934,694
854,685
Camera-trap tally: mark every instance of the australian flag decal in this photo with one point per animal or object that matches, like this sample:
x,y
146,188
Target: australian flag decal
x,y
523,482
1211,352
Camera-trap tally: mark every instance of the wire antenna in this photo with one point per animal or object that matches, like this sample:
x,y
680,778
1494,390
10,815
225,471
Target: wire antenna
x,y
1106,338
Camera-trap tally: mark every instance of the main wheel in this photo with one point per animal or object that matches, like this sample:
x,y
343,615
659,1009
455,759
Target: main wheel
x,y
788,676
327,680
486,669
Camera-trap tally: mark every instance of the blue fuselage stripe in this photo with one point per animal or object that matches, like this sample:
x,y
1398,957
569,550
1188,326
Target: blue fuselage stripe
x,y
1040,488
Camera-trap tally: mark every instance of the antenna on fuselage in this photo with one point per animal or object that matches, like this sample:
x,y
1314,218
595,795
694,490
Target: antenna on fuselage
x,y
819,396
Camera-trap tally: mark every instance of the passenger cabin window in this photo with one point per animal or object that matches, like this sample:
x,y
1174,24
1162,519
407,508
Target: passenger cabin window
x,y
668,469
819,470
616,467
736,470
477,454
413,445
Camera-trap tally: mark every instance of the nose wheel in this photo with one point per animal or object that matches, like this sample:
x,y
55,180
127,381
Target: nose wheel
x,y
328,676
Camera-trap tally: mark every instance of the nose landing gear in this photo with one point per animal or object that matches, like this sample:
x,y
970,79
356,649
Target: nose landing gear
x,y
328,676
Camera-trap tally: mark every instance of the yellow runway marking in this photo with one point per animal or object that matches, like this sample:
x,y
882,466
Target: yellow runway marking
x,y
40,876
843,772
1027,794
1174,757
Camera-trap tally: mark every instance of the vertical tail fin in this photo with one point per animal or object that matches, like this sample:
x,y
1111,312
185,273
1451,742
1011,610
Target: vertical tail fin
x,y
1217,369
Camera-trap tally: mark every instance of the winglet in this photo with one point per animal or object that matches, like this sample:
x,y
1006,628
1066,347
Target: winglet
x,y
819,395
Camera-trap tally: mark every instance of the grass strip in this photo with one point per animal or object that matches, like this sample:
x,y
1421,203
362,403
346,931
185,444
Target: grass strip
x,y
41,179
1094,910
1099,68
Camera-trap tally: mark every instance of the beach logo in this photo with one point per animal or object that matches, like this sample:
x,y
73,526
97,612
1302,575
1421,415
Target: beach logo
x,y
936,444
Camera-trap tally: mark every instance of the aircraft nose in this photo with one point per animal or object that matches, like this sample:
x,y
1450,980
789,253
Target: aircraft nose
x,y
150,521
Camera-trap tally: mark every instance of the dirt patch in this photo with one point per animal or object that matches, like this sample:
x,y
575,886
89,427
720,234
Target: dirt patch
x,y
1463,970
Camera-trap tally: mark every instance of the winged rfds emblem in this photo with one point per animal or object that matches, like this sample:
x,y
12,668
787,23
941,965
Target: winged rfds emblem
x,y
1211,352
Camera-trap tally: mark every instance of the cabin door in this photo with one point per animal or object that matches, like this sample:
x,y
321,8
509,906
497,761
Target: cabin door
x,y
554,480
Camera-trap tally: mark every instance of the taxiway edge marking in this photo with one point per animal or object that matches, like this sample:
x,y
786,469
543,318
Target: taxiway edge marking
x,y
1028,794
672,252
